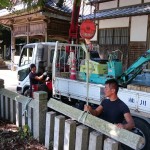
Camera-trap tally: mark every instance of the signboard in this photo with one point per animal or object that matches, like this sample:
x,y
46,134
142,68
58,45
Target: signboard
x,y
87,29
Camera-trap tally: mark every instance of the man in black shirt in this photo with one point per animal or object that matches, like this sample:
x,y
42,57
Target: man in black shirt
x,y
113,109
34,78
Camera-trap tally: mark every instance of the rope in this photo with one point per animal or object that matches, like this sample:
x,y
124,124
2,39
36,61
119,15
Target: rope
x,y
25,108
83,116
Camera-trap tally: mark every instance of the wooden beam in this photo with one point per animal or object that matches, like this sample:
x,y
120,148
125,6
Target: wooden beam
x,y
98,1
57,16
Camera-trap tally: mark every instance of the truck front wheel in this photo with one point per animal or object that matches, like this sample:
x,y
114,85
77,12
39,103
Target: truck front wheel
x,y
26,93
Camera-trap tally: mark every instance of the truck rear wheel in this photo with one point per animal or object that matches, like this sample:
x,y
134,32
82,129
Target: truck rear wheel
x,y
142,128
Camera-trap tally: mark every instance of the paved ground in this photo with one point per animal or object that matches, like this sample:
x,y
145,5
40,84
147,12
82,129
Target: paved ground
x,y
10,78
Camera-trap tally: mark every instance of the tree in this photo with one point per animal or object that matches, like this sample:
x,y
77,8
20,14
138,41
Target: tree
x,y
30,3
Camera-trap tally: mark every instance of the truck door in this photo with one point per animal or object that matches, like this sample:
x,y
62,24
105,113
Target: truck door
x,y
26,58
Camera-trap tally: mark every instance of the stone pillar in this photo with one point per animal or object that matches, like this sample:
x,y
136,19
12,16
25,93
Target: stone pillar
x,y
110,144
70,135
49,132
81,138
96,141
39,115
59,132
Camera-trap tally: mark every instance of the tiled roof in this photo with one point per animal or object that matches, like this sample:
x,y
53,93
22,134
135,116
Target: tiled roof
x,y
120,12
68,5
66,8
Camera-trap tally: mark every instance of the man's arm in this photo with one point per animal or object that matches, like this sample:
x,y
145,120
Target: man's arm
x,y
39,78
94,112
130,122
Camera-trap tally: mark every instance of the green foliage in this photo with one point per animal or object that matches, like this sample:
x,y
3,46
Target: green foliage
x,y
30,3
5,3
25,132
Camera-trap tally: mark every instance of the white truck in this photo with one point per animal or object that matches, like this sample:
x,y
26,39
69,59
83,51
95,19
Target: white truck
x,y
91,76
54,57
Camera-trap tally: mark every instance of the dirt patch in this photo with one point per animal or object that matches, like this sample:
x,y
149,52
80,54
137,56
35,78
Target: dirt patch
x,y
12,137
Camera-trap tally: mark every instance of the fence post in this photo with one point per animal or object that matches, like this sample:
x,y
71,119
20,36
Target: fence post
x,y
39,115
49,131
70,135
96,141
110,144
81,138
59,132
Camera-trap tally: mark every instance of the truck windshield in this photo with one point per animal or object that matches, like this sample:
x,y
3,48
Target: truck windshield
x,y
26,56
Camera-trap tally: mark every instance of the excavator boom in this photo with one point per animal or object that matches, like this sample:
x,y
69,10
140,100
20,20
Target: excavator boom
x,y
134,69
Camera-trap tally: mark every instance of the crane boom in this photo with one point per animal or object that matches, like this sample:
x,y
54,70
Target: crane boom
x,y
74,27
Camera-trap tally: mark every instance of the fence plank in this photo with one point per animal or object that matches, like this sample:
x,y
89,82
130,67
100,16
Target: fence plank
x,y
7,111
49,131
59,132
96,141
126,137
18,114
70,135
29,117
110,144
82,137
12,110
2,106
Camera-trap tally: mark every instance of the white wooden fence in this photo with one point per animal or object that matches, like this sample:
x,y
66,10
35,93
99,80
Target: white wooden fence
x,y
81,132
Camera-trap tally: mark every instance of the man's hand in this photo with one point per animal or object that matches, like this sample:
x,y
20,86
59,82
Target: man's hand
x,y
87,108
45,74
120,125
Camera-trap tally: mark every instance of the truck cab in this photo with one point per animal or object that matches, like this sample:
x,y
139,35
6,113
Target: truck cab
x,y
40,54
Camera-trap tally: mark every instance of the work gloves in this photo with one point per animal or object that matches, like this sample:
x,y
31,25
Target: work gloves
x,y
45,74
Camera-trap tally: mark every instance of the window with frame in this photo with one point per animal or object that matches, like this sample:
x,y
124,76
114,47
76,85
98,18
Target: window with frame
x,y
114,36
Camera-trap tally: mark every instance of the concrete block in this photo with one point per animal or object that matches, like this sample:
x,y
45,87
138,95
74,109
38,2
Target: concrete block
x,y
49,130
110,144
59,132
81,137
70,135
96,141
